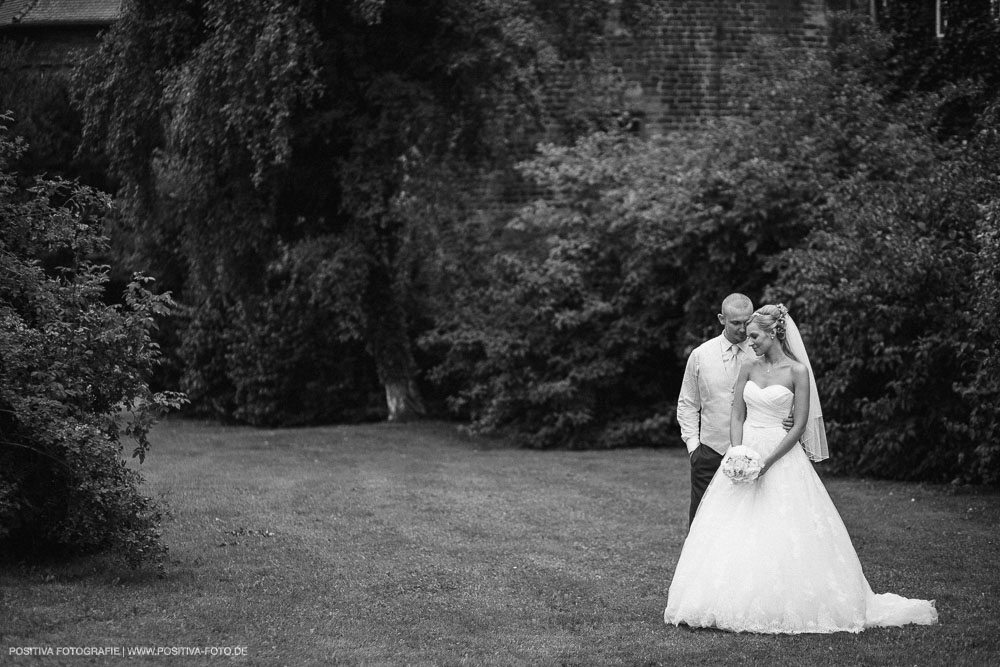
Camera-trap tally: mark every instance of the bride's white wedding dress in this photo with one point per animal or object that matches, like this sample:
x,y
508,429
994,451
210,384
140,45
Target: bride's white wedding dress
x,y
773,555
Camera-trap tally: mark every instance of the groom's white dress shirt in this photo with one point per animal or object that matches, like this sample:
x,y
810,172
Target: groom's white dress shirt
x,y
706,397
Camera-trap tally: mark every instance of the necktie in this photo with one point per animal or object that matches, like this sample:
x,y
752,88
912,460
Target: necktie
x,y
732,359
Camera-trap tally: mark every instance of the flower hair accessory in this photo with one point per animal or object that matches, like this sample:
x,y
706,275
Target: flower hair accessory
x,y
779,321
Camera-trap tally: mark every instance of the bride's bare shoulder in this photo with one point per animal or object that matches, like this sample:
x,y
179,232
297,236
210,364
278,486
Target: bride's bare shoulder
x,y
749,366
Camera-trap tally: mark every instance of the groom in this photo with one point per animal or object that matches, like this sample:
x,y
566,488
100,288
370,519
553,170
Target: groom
x,y
706,397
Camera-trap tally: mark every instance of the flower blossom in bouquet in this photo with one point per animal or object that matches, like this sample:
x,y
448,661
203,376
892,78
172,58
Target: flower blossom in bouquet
x,y
741,464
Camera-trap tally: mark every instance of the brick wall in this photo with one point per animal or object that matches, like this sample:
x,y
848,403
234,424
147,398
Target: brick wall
x,y
675,74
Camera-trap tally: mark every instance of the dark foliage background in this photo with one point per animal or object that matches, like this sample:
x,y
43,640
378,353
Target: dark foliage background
x,y
283,158
308,177
39,103
841,193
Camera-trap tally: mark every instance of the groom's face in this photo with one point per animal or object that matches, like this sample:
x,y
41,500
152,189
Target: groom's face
x,y
734,322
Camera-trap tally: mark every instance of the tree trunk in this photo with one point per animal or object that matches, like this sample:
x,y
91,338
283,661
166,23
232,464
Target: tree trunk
x,y
403,401
389,344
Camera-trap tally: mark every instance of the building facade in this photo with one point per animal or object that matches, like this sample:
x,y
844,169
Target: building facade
x,y
56,30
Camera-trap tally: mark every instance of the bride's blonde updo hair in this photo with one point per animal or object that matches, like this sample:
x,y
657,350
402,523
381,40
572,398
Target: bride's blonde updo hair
x,y
771,320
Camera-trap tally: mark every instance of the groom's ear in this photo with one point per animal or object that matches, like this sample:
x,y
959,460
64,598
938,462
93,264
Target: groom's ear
x,y
722,319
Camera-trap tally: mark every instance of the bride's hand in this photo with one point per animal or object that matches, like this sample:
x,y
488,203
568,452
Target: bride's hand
x,y
763,469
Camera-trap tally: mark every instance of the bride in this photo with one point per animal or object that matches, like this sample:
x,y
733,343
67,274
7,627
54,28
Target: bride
x,y
773,555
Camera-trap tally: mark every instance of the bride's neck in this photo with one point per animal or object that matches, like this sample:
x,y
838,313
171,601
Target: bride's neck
x,y
774,357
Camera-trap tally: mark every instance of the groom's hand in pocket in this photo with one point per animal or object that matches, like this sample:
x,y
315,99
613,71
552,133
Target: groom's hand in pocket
x,y
693,452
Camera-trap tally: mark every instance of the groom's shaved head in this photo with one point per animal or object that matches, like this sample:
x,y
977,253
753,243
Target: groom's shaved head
x,y
736,310
737,302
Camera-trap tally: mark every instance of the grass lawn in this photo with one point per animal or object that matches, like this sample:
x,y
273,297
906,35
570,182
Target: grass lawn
x,y
411,544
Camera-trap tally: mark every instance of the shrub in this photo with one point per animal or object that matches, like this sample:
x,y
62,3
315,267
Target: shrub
x,y
298,357
883,295
896,287
568,341
72,378
291,355
981,387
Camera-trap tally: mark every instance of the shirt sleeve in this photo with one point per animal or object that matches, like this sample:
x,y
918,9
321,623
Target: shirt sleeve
x,y
689,405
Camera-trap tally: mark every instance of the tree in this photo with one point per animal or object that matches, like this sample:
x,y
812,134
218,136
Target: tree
x,y
252,134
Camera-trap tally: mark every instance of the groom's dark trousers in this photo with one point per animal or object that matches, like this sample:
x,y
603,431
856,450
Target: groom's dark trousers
x,y
705,462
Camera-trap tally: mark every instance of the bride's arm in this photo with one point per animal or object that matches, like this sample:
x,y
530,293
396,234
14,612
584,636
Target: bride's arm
x,y
800,385
738,414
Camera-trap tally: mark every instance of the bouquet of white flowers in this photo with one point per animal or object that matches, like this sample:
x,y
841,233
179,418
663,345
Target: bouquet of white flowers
x,y
741,464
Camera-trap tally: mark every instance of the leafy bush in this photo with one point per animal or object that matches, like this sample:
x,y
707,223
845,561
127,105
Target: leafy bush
x,y
982,389
884,291
565,341
72,378
894,285
290,356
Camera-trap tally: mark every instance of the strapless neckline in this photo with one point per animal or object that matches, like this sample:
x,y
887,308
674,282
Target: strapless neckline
x,y
771,386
